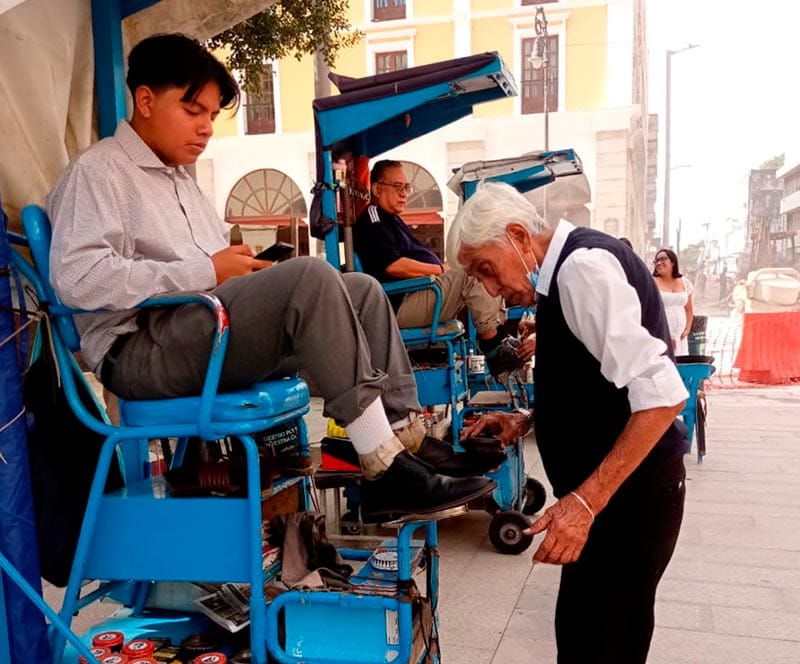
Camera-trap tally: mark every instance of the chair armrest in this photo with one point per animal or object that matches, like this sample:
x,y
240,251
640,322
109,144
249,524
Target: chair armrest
x,y
410,285
419,284
218,347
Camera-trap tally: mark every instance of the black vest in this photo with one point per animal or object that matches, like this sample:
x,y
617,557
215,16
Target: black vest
x,y
578,414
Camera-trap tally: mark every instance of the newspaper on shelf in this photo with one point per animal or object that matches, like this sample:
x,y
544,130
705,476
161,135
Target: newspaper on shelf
x,y
228,607
229,603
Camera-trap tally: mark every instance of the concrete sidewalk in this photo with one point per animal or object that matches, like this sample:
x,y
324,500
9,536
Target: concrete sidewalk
x,y
732,592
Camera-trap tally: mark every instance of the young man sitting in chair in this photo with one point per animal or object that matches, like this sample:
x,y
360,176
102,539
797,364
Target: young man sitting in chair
x,y
129,223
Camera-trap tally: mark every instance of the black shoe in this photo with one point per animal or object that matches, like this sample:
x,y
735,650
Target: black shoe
x,y
503,358
409,487
444,460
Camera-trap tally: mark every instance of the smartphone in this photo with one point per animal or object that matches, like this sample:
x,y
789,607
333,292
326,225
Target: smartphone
x,y
279,251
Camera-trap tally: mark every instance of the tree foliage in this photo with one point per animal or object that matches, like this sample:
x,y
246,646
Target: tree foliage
x,y
690,256
775,162
296,27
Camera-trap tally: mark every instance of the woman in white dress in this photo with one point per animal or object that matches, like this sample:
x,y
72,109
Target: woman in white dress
x,y
676,291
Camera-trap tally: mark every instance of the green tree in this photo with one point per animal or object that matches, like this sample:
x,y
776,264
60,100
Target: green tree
x,y
296,27
689,258
775,162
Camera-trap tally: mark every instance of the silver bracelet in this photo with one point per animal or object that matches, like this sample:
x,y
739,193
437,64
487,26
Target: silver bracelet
x,y
583,502
528,415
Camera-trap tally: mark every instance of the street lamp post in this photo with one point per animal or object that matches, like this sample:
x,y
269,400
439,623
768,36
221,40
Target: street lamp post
x,y
667,136
539,60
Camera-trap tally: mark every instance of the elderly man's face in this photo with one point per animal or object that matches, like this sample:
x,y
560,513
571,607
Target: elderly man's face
x,y
501,271
391,192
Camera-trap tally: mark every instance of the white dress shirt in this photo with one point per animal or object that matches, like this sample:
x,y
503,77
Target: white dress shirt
x,y
603,311
127,227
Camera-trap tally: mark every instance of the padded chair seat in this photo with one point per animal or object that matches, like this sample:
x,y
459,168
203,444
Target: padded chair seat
x,y
263,400
447,330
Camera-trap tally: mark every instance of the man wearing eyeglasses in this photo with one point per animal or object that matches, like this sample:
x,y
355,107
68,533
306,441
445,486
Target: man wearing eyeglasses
x,y
389,252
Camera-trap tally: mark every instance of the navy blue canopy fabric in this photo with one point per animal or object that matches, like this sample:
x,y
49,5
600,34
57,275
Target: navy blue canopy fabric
x,y
26,625
376,113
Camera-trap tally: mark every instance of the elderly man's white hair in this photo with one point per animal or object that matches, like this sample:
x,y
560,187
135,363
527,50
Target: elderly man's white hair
x,y
485,215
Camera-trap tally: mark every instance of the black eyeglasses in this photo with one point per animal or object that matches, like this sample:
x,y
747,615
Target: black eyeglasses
x,y
660,259
399,186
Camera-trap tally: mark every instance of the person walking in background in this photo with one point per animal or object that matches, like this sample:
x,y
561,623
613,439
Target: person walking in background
x,y
676,291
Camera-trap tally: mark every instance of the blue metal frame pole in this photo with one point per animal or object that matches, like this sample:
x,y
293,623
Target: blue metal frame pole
x,y
5,653
109,64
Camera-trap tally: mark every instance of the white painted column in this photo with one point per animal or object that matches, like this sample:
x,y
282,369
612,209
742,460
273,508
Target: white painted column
x,y
462,28
619,54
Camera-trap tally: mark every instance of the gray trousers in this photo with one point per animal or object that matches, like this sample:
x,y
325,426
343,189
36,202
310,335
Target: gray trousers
x,y
298,314
458,291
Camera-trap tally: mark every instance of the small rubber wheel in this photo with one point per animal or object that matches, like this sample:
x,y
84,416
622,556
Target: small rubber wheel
x,y
505,533
535,496
350,524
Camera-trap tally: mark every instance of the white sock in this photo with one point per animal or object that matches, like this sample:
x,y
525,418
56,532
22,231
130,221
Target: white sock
x,y
401,423
370,429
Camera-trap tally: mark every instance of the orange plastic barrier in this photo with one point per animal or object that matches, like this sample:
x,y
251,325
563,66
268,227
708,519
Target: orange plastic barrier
x,y
770,348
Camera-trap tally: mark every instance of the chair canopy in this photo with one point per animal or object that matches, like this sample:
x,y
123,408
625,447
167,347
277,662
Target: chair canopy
x,y
525,173
374,114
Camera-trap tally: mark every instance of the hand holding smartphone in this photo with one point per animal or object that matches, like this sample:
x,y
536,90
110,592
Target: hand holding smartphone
x,y
279,251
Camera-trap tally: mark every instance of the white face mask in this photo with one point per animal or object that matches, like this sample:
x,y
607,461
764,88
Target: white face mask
x,y
533,277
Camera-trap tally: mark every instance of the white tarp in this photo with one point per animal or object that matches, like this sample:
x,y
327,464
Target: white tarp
x,y
47,80
46,95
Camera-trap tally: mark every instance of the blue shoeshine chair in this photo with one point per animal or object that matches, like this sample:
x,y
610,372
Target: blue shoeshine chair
x,y
437,385
694,369
445,383
140,533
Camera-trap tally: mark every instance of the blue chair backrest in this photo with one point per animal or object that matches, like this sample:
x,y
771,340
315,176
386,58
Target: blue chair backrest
x,y
39,234
693,375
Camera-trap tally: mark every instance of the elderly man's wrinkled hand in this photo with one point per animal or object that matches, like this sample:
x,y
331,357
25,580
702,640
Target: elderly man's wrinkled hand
x,y
567,524
503,426
527,348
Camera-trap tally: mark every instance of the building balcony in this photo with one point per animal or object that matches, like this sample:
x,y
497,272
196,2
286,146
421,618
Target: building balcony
x,y
790,203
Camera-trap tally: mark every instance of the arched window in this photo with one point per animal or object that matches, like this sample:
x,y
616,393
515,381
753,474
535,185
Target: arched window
x,y
426,194
423,211
265,196
265,200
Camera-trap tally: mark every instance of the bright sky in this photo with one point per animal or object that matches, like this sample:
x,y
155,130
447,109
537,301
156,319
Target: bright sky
x,y
735,99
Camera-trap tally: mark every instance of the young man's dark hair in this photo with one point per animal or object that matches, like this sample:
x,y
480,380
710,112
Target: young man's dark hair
x,y
380,167
175,60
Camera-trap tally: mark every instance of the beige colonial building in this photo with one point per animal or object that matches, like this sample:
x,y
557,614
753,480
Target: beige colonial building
x,y
260,167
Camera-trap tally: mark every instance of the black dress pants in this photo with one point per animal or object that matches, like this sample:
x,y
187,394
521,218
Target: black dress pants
x,y
605,608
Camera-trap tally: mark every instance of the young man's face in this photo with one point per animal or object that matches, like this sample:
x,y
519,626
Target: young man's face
x,y
391,191
177,130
